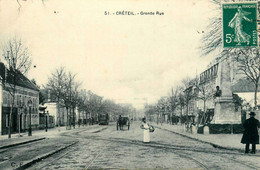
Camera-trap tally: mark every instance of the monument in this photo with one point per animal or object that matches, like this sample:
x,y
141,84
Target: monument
x,y
225,111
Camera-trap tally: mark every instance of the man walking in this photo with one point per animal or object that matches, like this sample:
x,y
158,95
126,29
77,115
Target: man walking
x,y
250,135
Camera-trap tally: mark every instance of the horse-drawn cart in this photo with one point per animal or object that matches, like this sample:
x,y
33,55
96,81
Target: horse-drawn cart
x,y
121,122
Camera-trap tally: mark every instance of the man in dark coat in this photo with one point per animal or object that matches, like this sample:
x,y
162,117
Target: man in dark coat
x,y
250,135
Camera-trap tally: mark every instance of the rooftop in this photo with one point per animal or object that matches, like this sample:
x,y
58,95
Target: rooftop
x,y
15,76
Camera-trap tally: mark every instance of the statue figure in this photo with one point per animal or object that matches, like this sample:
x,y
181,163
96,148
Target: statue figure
x,y
218,92
236,23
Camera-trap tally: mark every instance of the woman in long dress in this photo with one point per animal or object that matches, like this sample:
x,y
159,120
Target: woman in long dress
x,y
236,23
145,126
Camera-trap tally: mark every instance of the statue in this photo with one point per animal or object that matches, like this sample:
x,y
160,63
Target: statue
x,y
237,23
218,92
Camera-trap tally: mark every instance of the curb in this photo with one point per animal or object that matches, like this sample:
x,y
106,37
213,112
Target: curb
x,y
199,140
39,158
21,143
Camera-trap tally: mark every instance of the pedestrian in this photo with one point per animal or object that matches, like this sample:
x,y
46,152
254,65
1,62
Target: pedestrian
x,y
145,127
250,135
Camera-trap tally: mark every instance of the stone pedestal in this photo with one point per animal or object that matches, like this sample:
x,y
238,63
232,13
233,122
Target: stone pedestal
x,y
225,112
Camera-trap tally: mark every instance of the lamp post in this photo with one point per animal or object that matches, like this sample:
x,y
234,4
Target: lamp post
x,y
30,110
19,114
46,128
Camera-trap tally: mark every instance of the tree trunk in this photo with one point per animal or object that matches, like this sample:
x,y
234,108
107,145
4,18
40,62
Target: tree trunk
x,y
255,98
181,114
10,117
67,109
58,107
187,113
204,112
10,123
74,117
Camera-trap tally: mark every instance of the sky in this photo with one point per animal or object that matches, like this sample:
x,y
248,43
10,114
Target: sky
x,y
129,58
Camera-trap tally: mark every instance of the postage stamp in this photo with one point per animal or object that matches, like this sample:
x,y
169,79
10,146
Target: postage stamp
x,y
239,24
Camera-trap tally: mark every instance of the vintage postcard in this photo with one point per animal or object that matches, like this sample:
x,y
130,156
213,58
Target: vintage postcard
x,y
129,84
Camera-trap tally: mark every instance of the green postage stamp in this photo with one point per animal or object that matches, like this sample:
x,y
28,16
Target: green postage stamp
x,y
240,24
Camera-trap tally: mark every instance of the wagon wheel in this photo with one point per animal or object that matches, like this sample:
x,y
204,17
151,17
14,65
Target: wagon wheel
x,y
128,125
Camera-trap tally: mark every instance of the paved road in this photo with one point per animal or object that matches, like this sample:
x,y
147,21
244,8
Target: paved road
x,y
105,147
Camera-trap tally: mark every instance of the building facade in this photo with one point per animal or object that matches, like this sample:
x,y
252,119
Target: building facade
x,y
58,111
23,113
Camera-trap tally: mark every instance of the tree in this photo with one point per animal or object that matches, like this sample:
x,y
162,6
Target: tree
x,y
212,39
150,111
203,92
173,99
75,99
82,103
17,58
188,94
248,60
56,86
69,82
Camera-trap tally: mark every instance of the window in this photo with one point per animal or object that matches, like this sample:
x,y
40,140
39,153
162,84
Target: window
x,y
25,100
7,120
22,99
15,100
8,99
5,98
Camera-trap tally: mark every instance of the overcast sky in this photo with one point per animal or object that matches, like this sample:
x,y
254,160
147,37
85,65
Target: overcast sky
x,y
132,59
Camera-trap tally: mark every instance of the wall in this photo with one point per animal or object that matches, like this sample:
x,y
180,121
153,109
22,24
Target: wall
x,y
1,102
53,111
22,96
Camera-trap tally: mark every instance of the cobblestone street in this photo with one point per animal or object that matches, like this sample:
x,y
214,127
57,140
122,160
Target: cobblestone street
x,y
108,148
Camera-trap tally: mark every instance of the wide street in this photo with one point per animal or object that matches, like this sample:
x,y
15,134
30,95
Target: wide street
x,y
105,147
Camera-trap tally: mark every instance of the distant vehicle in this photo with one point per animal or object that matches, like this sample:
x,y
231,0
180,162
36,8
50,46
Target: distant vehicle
x,y
123,122
103,119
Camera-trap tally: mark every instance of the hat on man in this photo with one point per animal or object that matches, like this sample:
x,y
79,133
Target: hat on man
x,y
252,113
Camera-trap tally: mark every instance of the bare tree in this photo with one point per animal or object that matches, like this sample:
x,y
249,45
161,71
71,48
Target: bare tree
x,y
174,102
75,99
82,104
17,57
56,86
188,93
248,60
67,95
203,92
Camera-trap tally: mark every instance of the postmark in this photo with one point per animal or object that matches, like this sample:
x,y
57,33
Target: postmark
x,y
239,24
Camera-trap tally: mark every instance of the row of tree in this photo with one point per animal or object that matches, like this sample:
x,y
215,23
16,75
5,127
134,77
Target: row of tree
x,y
61,84
179,98
64,89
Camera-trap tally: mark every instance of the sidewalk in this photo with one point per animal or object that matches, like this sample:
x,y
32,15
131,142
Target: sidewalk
x,y
226,141
36,135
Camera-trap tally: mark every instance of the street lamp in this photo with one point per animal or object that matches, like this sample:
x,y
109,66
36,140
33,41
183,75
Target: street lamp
x,y
29,104
46,128
19,114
